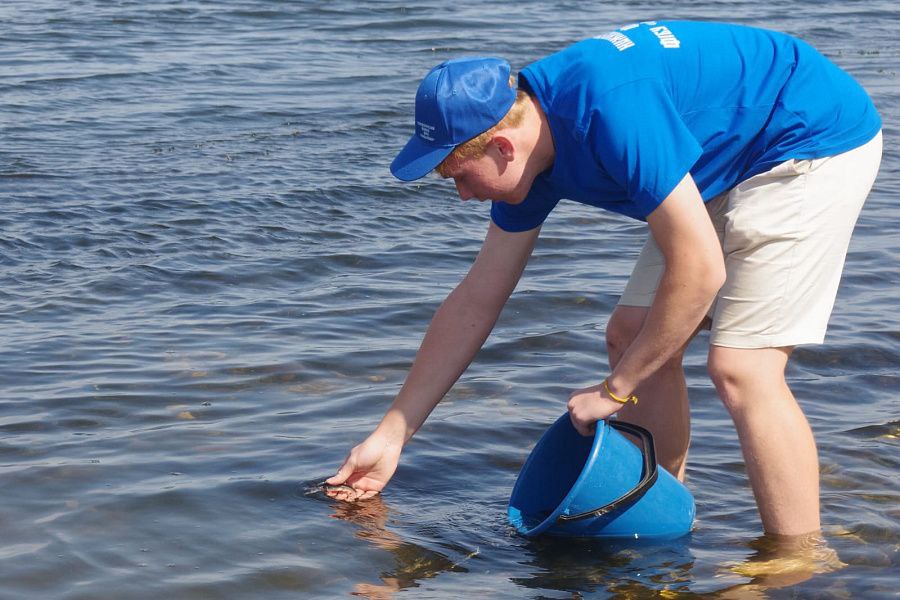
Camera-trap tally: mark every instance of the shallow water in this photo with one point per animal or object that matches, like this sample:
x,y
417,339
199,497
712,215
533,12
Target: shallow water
x,y
211,287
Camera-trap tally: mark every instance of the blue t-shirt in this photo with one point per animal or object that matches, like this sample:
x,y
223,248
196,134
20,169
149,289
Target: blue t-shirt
x,y
634,110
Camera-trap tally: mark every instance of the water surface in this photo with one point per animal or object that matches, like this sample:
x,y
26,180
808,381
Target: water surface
x,y
211,288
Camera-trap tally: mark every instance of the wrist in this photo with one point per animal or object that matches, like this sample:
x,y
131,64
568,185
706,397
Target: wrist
x,y
393,429
618,394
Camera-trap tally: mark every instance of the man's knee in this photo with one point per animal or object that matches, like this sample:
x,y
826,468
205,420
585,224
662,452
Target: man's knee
x,y
624,325
740,375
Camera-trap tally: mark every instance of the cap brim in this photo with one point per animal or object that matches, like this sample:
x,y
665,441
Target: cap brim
x,y
418,159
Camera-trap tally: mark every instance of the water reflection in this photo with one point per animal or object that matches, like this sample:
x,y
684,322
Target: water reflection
x,y
412,561
631,569
645,570
624,568
781,561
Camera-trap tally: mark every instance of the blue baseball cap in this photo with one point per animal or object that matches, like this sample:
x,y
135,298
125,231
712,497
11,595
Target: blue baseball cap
x,y
456,101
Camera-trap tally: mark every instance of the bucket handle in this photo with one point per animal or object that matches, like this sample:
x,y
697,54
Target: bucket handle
x,y
650,473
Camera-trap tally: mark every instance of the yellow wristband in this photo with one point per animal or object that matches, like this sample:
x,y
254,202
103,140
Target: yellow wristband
x,y
631,398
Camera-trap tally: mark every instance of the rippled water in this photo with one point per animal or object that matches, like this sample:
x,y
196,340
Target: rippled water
x,y
211,287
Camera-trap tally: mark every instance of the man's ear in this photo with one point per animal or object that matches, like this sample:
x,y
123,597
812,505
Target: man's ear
x,y
504,147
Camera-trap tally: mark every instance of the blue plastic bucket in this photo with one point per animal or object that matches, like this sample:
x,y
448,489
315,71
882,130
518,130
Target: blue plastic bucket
x,y
605,486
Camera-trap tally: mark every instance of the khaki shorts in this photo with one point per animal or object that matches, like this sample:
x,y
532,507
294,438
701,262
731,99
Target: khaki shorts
x,y
784,234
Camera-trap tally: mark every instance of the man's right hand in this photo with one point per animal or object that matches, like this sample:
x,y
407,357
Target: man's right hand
x,y
367,469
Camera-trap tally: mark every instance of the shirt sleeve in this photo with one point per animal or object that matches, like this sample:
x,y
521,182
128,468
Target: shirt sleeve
x,y
637,134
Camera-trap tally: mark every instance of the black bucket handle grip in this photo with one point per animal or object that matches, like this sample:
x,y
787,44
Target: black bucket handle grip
x,y
649,475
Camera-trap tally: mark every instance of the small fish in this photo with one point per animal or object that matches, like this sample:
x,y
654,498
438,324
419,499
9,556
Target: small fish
x,y
328,489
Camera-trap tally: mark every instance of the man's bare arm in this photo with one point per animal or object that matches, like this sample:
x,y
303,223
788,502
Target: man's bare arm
x,y
460,327
694,272
457,331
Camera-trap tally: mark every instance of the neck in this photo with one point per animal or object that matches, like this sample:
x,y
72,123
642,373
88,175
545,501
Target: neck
x,y
544,152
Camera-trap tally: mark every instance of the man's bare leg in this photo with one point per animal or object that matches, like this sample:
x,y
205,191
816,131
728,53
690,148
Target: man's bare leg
x,y
777,442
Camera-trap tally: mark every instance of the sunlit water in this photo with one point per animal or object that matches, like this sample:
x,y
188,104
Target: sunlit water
x,y
211,287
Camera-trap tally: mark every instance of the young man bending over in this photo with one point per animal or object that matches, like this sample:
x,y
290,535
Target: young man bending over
x,y
748,154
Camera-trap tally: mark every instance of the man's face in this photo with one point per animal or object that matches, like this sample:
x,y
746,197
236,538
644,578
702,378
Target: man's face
x,y
489,177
